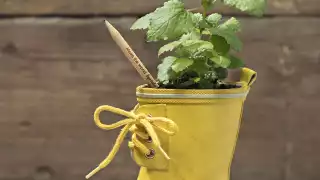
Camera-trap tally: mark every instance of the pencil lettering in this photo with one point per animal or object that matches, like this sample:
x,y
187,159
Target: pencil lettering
x,y
130,52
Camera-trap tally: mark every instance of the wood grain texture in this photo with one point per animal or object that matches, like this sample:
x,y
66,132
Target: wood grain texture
x,y
55,72
120,7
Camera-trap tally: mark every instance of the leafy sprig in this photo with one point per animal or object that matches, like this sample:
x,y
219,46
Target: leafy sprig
x,y
202,46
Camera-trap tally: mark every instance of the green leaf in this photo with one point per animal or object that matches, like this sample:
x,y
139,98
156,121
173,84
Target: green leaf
x,y
230,37
235,62
197,18
142,23
170,21
228,31
194,35
214,19
231,24
196,80
254,7
200,22
221,61
206,32
221,73
171,46
200,67
195,49
220,44
168,47
164,69
181,64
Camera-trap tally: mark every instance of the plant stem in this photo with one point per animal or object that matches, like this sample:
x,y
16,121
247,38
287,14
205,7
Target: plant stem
x,y
204,12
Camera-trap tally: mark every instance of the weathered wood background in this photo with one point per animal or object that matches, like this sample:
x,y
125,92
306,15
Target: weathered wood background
x,y
58,63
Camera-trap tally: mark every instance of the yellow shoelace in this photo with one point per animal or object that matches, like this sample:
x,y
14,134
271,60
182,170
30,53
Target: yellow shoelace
x,y
131,124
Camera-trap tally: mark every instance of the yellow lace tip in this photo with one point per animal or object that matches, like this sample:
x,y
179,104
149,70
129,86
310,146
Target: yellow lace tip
x,y
93,172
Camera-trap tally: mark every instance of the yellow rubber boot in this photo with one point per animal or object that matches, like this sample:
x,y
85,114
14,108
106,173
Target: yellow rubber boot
x,y
182,134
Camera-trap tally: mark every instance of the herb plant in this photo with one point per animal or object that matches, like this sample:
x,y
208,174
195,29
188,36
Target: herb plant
x,y
200,47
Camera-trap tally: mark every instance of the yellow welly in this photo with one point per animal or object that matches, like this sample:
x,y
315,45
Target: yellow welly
x,y
182,134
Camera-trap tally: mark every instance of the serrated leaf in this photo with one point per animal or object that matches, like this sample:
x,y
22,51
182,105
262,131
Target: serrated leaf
x,y
221,61
228,31
254,7
235,62
164,69
230,37
181,64
220,44
231,24
214,19
194,35
195,49
170,21
171,46
197,18
168,47
142,23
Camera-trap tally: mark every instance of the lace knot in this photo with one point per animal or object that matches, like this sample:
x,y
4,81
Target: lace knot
x,y
133,120
140,117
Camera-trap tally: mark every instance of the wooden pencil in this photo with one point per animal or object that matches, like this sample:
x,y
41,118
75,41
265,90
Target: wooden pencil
x,y
132,57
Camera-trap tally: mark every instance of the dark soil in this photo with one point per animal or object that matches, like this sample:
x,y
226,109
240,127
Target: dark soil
x,y
198,86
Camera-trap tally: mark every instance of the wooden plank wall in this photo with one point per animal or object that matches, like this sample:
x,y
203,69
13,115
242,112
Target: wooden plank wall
x,y
58,63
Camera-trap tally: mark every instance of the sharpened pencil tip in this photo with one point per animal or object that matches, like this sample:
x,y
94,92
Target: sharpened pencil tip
x,y
109,26
107,23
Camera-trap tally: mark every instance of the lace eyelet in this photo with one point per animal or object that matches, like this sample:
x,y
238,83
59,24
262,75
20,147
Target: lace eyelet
x,y
151,154
149,140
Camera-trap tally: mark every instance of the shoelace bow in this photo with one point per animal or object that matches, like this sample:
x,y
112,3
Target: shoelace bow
x,y
131,124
